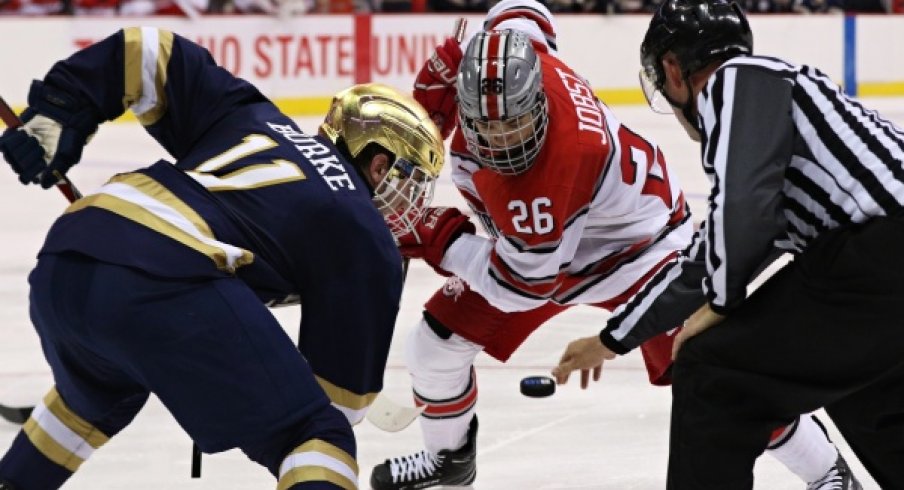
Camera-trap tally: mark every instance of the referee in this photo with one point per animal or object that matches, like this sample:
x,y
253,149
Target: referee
x,y
795,166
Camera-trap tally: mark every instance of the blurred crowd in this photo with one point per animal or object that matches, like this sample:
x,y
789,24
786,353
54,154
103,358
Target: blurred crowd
x,y
648,6
193,8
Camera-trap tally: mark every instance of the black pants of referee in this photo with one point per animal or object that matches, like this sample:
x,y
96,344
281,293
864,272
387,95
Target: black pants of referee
x,y
825,331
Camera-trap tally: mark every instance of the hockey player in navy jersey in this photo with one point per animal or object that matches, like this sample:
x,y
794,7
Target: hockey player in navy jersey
x,y
159,281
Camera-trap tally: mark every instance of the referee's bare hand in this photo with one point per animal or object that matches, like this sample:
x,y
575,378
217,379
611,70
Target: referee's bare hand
x,y
699,321
586,354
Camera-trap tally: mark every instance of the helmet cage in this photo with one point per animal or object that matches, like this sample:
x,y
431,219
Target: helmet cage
x,y
507,146
402,196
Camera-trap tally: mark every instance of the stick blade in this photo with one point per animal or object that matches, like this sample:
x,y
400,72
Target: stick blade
x,y
15,415
389,416
195,461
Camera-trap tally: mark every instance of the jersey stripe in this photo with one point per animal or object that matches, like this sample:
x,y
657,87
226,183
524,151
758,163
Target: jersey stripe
x,y
723,107
143,200
316,461
147,53
60,434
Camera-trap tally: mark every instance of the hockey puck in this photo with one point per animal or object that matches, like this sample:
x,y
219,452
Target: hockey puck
x,y
538,386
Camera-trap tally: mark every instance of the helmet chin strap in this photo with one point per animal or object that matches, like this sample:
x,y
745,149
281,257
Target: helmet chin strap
x,y
687,108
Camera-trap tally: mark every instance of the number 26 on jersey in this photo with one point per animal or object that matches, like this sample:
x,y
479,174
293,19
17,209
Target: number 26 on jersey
x,y
532,218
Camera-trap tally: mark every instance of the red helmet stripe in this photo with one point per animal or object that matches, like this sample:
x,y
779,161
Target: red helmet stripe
x,y
495,70
484,55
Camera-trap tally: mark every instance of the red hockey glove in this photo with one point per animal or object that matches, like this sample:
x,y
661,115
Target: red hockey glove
x,y
434,86
433,234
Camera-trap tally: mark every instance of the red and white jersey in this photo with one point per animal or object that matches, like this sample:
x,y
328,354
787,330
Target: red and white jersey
x,y
597,210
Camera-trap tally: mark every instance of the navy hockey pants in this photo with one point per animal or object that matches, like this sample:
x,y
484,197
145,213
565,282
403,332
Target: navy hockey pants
x,y
825,331
208,349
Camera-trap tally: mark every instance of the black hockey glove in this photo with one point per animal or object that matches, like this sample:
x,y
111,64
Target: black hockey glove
x,y
24,154
62,124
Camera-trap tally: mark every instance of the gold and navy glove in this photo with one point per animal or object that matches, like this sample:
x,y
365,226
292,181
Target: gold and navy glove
x,y
23,153
61,124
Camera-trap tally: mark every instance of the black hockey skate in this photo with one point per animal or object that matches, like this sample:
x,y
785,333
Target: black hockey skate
x,y
425,469
839,477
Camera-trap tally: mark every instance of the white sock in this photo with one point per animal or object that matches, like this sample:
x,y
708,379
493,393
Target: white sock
x,y
449,433
807,452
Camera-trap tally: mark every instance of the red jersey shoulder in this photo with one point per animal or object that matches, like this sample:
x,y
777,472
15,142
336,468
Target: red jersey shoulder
x,y
574,106
578,140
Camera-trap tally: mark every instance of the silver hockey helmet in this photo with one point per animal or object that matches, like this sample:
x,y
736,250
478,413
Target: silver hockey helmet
x,y
501,103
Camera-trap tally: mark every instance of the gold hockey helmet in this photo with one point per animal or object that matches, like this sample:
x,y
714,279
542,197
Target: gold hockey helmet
x,y
376,113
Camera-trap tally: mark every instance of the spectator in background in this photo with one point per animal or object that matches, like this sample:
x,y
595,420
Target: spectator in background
x,y
767,6
296,7
867,6
822,6
400,6
458,5
32,7
602,6
103,7
818,6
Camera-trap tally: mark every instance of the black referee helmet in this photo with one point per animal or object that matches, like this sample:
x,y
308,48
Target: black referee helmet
x,y
698,32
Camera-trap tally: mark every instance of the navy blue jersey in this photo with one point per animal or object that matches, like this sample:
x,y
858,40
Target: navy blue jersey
x,y
249,195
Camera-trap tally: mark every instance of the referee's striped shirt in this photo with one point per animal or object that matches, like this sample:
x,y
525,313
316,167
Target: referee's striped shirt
x,y
788,156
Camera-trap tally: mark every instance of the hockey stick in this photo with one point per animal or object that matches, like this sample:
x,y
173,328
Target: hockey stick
x,y
195,460
18,415
390,416
384,413
15,415
12,121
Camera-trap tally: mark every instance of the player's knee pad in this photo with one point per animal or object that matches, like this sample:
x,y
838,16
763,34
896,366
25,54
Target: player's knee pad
x,y
454,402
440,367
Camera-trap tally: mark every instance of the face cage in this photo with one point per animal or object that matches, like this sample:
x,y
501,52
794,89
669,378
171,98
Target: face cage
x,y
516,153
653,93
403,196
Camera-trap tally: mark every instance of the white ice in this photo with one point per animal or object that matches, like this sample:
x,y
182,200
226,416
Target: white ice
x,y
611,436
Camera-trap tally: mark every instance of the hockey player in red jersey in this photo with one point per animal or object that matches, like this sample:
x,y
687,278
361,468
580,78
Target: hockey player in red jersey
x,y
578,209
